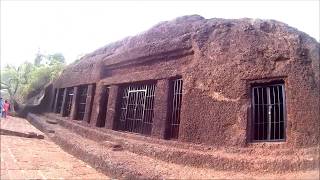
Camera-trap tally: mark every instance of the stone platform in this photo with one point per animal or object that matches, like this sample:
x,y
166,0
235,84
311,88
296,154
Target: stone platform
x,y
124,155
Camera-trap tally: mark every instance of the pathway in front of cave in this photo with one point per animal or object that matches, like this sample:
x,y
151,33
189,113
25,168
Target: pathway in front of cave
x,y
30,158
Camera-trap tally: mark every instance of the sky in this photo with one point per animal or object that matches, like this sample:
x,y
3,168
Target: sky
x,y
75,28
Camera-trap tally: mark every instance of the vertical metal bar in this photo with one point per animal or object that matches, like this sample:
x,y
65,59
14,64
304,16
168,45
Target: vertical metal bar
x,y
279,116
180,103
135,110
258,126
263,115
177,108
274,110
269,113
172,115
284,111
253,113
176,103
125,122
180,99
143,109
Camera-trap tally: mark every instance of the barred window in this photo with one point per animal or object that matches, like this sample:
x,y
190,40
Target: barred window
x,y
175,107
136,109
59,100
82,99
68,101
268,105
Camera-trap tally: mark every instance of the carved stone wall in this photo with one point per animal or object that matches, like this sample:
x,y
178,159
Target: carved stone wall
x,y
218,60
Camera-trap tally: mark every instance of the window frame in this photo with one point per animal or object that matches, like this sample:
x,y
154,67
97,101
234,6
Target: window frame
x,y
147,91
284,106
174,107
80,114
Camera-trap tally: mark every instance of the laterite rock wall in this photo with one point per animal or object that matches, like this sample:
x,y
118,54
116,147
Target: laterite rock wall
x,y
218,60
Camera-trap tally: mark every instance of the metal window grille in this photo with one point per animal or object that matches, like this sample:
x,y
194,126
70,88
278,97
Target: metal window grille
x,y
60,99
82,102
54,99
176,95
136,113
69,98
268,112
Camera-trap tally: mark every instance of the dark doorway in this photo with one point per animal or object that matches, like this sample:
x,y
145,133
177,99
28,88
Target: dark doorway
x,y
103,107
54,99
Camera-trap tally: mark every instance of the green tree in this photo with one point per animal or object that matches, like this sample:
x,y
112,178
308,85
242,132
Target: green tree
x,y
28,79
56,58
14,78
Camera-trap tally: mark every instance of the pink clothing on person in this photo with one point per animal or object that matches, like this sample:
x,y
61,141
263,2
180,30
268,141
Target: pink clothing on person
x,y
6,107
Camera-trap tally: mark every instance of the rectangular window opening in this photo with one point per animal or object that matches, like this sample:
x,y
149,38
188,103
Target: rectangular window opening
x,y
103,107
268,109
68,101
175,107
59,100
54,99
82,99
136,108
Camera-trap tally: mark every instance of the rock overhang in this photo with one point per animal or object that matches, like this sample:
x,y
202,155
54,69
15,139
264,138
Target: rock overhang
x,y
186,35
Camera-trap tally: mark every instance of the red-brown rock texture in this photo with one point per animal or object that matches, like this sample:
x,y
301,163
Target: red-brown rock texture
x,y
218,60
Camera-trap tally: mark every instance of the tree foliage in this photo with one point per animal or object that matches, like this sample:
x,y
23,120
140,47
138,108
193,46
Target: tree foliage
x,y
29,78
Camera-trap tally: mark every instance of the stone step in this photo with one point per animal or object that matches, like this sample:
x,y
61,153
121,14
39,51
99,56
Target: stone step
x,y
95,132
121,163
214,159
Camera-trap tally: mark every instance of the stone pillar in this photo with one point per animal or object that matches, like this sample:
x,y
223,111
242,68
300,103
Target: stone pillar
x,y
63,102
90,95
112,107
56,101
160,110
73,113
98,113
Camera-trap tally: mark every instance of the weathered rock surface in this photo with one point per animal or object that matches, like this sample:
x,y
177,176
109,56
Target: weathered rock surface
x,y
219,60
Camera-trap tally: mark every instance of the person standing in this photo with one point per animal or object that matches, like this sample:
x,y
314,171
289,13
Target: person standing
x,y
6,108
1,107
